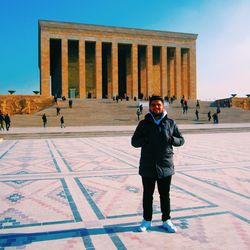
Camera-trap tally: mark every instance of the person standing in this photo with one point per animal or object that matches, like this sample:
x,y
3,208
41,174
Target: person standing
x,y
215,118
138,113
70,103
141,107
44,118
197,114
62,122
1,120
156,135
7,121
209,115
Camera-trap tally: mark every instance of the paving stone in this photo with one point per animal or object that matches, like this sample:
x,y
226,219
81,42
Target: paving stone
x,y
85,193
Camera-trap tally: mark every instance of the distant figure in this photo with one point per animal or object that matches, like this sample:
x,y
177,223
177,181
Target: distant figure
x,y
62,122
44,118
182,102
218,110
70,103
138,113
58,111
197,114
141,108
209,115
215,118
64,98
1,120
197,104
7,121
55,99
171,100
117,98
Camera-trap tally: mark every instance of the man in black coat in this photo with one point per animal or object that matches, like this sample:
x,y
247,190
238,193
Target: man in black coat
x,y
156,135
7,121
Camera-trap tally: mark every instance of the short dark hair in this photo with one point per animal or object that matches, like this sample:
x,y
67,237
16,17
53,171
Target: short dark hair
x,y
155,98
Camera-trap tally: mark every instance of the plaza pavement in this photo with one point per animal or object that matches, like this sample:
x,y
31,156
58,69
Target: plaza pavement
x,y
85,192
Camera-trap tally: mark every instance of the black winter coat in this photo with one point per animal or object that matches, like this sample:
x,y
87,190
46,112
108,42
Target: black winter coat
x,y
156,142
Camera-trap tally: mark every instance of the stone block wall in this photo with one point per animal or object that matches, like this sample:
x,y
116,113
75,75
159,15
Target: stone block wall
x,y
241,102
24,104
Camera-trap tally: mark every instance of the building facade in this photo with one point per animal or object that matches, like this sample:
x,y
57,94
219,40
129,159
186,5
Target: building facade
x,y
92,61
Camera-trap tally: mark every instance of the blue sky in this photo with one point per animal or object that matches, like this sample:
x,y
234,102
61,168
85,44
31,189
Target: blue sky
x,y
223,44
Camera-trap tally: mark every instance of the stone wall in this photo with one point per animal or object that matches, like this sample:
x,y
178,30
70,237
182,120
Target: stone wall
x,y
241,102
24,104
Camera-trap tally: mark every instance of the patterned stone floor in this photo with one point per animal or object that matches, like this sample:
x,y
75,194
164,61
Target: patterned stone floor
x,y
85,193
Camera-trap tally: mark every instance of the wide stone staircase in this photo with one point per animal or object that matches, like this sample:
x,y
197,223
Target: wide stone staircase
x,y
107,118
93,112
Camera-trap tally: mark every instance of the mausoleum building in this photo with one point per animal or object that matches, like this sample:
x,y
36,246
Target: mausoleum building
x,y
92,61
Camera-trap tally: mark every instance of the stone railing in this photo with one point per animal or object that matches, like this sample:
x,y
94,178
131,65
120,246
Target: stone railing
x,y
241,102
24,104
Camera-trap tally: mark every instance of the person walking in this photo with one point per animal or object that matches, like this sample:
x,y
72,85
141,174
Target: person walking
x,y
44,118
209,115
1,120
57,111
138,113
156,135
7,122
62,122
215,118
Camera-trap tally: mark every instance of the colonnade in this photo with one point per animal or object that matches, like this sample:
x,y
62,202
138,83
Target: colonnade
x,y
166,70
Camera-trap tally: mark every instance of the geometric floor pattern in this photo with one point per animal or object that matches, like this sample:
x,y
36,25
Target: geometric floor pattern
x,y
85,193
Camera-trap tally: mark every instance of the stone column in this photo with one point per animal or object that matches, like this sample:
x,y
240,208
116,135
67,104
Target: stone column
x,y
98,69
185,74
44,65
149,63
65,80
171,71
82,78
134,70
114,62
164,82
178,90
192,73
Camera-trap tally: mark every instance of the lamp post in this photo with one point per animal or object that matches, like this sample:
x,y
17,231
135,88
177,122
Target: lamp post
x,y
11,91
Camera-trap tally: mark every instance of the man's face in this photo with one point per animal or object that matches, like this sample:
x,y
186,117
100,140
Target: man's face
x,y
156,107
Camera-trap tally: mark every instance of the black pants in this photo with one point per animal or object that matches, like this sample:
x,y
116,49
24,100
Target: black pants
x,y
148,192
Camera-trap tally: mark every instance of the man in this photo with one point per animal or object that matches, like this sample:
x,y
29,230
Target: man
x,y
1,120
57,111
156,135
44,118
197,114
62,122
138,113
7,122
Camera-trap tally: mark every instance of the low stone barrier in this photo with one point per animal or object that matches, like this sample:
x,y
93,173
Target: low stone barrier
x,y
24,104
241,102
